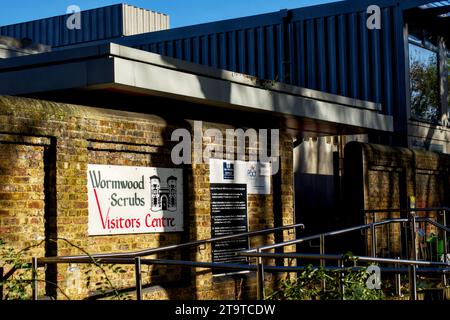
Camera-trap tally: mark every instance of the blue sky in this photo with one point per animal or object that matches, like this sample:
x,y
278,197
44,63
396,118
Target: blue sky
x,y
182,12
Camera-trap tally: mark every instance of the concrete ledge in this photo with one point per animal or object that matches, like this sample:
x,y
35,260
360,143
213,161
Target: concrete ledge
x,y
132,70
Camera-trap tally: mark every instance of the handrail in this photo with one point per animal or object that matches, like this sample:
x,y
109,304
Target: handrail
x,y
412,219
249,267
326,234
434,223
408,210
152,251
347,230
340,257
135,257
412,269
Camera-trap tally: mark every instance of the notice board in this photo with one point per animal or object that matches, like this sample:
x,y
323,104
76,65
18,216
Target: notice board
x,y
229,188
228,217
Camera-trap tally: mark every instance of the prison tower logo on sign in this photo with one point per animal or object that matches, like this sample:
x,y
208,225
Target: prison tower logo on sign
x,y
163,198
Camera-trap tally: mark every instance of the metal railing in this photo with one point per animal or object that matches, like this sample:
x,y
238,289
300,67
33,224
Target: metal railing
x,y
260,253
412,213
135,258
441,217
412,219
412,270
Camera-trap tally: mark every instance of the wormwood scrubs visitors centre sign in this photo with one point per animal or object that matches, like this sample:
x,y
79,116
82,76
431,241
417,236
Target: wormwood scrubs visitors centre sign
x,y
125,200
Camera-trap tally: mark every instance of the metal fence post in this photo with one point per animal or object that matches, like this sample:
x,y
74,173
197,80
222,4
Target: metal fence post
x,y
1,283
412,283
137,265
374,241
398,282
342,286
444,276
260,278
322,261
412,271
35,288
322,249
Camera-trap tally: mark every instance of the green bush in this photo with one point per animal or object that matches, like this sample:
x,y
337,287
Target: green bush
x,y
18,286
308,286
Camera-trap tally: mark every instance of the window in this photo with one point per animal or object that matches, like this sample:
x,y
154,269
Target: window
x,y
424,82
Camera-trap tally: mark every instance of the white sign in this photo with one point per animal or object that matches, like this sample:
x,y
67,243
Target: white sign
x,y
126,200
256,175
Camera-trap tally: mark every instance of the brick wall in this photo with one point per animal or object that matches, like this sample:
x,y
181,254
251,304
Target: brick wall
x,y
45,148
385,177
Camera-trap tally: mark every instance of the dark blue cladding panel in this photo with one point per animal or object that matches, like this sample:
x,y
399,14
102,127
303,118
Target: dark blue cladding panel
x,y
299,58
387,56
271,52
364,55
375,63
327,48
321,56
332,55
311,55
96,24
342,56
354,48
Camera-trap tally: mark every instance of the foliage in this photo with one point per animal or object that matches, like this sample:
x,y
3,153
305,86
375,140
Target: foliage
x,y
425,98
308,286
18,285
104,285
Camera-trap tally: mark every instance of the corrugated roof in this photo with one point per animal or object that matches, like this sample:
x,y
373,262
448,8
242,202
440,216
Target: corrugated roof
x,y
96,24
